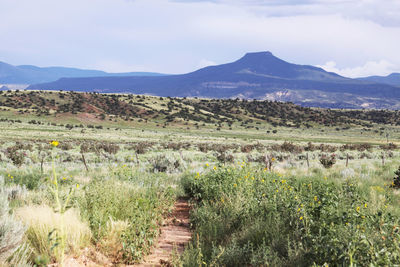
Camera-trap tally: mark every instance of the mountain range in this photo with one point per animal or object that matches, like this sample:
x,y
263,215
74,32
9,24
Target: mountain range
x,y
258,75
28,74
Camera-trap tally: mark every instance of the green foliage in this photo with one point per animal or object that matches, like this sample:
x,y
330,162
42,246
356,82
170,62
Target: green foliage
x,y
246,216
32,180
165,163
120,201
396,179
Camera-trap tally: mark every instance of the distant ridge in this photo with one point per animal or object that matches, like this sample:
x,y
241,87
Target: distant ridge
x,y
258,75
28,74
392,79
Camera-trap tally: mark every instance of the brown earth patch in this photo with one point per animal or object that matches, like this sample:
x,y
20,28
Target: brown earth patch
x,y
175,234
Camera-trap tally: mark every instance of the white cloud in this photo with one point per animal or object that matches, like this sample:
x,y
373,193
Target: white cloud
x,y
370,68
177,37
385,12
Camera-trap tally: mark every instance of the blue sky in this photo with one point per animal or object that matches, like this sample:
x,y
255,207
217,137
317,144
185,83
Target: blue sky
x,y
352,37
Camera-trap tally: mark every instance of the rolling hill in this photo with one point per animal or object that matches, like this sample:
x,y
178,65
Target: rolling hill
x,y
258,75
163,111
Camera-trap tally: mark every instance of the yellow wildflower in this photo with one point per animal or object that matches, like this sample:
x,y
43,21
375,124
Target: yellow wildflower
x,y
234,185
77,186
215,168
315,198
207,165
358,209
365,205
301,218
54,143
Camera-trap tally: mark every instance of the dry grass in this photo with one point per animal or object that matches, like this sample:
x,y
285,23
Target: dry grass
x,y
111,244
42,220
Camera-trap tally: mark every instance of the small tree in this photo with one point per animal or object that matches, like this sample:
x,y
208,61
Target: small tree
x,y
327,161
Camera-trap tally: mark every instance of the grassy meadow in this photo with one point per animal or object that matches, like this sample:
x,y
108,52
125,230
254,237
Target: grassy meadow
x,y
90,184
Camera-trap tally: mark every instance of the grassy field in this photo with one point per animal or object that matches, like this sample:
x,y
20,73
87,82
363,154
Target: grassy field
x,y
262,194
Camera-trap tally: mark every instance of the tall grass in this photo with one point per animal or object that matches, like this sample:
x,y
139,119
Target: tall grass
x,y
42,222
118,211
11,230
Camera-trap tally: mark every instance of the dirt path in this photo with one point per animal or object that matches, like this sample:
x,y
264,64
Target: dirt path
x,y
175,234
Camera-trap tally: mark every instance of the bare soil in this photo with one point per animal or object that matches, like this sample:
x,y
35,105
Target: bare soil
x,y
175,234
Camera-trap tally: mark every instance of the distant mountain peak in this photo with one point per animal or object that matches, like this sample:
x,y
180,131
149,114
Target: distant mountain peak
x,y
259,54
257,75
265,57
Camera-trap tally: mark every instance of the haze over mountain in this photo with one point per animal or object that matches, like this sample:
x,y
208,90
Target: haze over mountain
x,y
258,75
28,74
392,79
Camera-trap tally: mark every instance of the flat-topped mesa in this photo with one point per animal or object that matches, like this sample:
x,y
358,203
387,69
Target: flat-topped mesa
x,y
260,58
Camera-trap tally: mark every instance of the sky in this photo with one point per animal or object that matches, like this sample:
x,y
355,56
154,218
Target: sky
x,y
354,38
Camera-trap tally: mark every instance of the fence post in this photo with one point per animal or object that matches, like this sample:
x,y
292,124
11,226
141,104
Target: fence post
x,y
137,158
84,162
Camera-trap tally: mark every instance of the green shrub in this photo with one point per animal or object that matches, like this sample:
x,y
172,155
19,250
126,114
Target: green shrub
x,y
327,161
165,163
31,180
246,216
396,179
